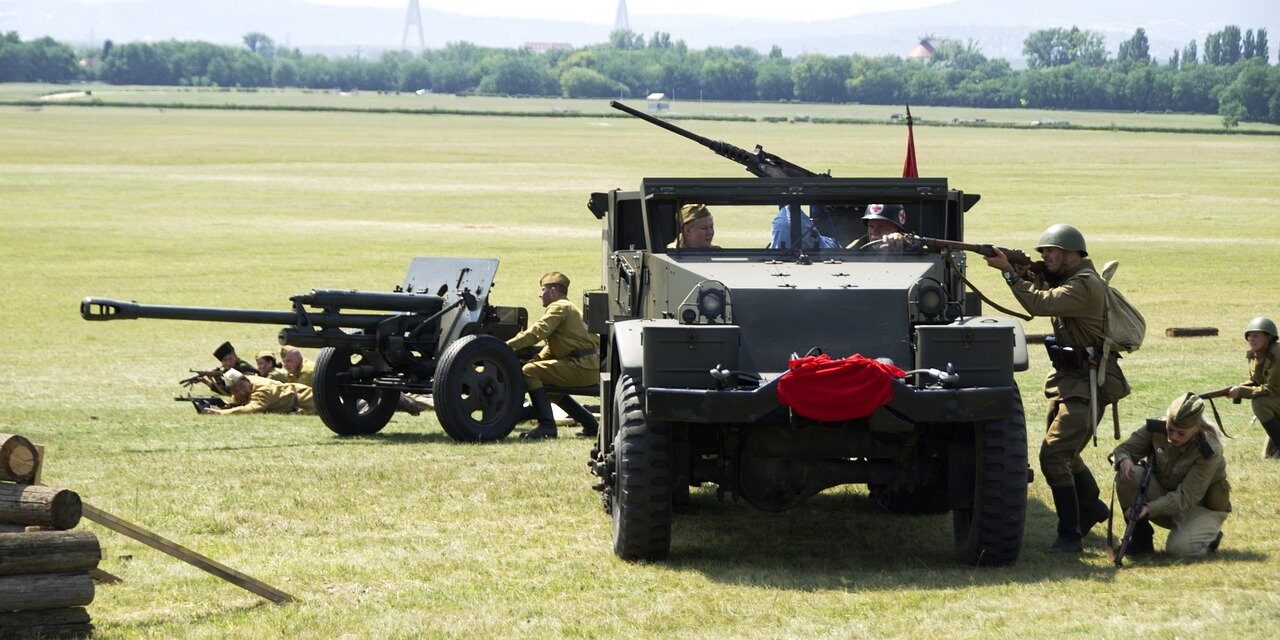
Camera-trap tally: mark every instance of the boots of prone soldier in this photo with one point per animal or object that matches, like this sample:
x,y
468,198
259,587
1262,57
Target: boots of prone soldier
x,y
546,419
1092,509
1068,508
407,405
1272,448
580,415
1142,543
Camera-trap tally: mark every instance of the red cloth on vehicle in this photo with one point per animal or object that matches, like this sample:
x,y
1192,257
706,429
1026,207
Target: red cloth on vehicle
x,y
820,388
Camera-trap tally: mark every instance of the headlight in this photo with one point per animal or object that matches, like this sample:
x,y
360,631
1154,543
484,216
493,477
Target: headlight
x,y
929,299
707,303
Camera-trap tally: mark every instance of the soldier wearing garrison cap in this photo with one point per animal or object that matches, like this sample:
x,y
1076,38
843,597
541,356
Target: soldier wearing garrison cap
x,y
269,367
886,228
1189,493
1073,295
697,228
1263,387
255,394
570,358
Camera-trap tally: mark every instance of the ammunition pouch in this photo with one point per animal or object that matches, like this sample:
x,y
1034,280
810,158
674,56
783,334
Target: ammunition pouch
x,y
1066,358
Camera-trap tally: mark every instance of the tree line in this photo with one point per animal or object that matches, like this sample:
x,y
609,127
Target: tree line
x,y
1230,74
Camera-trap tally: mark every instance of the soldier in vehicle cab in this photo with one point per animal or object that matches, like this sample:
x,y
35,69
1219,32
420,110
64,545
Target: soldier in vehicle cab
x,y
886,225
697,228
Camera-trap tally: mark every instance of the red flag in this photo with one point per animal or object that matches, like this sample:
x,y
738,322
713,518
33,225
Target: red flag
x,y
909,166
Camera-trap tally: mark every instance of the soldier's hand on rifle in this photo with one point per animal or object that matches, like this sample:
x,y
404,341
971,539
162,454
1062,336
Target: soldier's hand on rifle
x,y
895,241
1233,393
209,411
997,259
1142,513
1126,469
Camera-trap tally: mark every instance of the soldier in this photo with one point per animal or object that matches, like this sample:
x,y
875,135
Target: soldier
x,y
1073,294
570,358
697,228
884,222
299,370
810,237
226,354
1189,493
1263,387
255,394
269,367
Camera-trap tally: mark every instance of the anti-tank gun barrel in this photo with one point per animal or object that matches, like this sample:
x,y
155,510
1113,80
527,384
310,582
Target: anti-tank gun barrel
x,y
104,309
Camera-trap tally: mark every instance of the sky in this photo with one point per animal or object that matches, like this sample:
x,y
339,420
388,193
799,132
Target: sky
x,y
603,11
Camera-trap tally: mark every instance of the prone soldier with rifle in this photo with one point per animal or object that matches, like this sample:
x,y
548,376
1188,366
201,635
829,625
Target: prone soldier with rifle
x,y
1185,487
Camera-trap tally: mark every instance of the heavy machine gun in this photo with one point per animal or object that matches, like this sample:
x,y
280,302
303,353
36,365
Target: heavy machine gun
x,y
435,334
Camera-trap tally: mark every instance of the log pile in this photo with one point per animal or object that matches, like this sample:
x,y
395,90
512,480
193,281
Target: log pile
x,y
44,567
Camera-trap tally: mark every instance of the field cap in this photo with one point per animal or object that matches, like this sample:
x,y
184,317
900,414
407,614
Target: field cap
x,y
223,349
1185,411
231,377
266,353
691,212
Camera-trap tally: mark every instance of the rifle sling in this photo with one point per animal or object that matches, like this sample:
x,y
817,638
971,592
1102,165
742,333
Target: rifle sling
x,y
1217,418
997,307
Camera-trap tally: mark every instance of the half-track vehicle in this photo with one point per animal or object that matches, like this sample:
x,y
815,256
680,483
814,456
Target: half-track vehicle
x,y
436,333
697,340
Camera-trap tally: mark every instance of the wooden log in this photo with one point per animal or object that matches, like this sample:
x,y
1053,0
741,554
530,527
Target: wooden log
x,y
18,459
45,623
45,591
1188,332
48,552
39,505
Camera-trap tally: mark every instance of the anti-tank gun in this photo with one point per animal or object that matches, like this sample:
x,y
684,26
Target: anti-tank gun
x,y
436,334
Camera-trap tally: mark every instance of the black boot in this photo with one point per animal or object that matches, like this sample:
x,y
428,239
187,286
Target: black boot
x,y
1068,508
1092,509
546,419
406,404
1217,542
1272,427
527,413
1142,542
580,415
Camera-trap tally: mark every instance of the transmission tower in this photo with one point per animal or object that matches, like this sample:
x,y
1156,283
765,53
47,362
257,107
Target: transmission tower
x,y
621,22
413,18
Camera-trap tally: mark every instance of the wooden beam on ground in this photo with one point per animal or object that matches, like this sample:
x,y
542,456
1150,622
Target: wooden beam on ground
x,y
186,555
1188,332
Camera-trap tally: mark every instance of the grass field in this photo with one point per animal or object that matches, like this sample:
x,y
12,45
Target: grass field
x,y
205,96
408,534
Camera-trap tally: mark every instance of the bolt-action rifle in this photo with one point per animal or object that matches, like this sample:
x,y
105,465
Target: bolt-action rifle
x,y
203,402
1017,257
1220,393
1138,503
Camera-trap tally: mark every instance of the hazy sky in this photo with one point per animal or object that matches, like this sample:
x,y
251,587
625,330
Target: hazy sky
x,y
602,11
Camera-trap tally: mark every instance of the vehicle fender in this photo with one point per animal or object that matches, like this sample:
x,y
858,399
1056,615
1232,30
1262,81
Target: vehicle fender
x,y
628,349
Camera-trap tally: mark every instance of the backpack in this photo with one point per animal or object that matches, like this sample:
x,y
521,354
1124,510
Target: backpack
x,y
1122,324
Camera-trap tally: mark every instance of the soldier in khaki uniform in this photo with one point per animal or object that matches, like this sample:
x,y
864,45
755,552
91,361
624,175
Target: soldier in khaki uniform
x,y
697,228
1189,493
269,367
299,370
1073,294
571,358
255,394
1263,387
227,358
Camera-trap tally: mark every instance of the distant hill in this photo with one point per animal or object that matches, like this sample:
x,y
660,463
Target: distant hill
x,y
999,26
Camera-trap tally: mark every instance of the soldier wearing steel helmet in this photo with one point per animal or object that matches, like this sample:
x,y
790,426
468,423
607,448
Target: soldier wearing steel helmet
x,y
1263,387
1073,295
570,358
1189,493
886,227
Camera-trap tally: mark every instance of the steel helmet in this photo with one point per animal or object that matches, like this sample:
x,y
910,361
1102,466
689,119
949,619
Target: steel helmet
x,y
1263,324
1063,236
894,214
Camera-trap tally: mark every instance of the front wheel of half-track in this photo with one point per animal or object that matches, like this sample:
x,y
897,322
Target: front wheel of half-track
x,y
642,496
990,533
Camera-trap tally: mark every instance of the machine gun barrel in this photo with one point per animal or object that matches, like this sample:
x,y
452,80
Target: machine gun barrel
x,y
102,309
760,163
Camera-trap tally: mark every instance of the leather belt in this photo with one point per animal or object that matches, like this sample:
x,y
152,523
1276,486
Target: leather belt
x,y
582,353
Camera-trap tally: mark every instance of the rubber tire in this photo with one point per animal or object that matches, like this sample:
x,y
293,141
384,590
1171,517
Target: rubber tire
x,y
991,532
642,498
340,414
456,377
931,498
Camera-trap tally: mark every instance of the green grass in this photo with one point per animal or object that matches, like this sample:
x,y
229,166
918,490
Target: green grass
x,y
372,100
408,534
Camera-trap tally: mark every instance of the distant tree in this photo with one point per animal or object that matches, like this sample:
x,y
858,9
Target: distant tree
x,y
773,80
1189,54
260,43
728,78
1213,48
520,75
588,83
1054,47
415,74
106,48
1230,43
819,78
660,40
1250,91
1231,112
1248,49
1135,49
775,52
1261,49
876,80
1173,59
284,73
626,40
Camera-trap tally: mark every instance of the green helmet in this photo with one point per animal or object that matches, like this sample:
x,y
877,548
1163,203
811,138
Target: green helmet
x,y
1063,236
1263,324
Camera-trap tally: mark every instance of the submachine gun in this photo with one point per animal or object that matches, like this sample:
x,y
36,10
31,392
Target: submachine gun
x,y
1138,503
435,334
838,222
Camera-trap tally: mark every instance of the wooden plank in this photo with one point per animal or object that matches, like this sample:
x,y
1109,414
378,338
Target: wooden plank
x,y
48,552
186,555
1188,332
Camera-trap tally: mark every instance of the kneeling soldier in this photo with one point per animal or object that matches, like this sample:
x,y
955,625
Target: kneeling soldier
x,y
1189,493
1263,387
569,359
256,394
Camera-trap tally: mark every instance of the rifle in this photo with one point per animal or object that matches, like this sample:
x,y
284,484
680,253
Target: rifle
x,y
206,377
1220,393
202,402
759,162
1017,257
1138,503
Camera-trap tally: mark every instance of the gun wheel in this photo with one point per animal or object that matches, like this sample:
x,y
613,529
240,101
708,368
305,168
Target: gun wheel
x,y
990,532
478,389
346,409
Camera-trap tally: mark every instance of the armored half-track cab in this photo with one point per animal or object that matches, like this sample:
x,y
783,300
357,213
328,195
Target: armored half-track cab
x,y
696,341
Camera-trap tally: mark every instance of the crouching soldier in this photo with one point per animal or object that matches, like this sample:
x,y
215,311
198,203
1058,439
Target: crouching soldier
x,y
255,394
569,359
1189,493
1263,387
